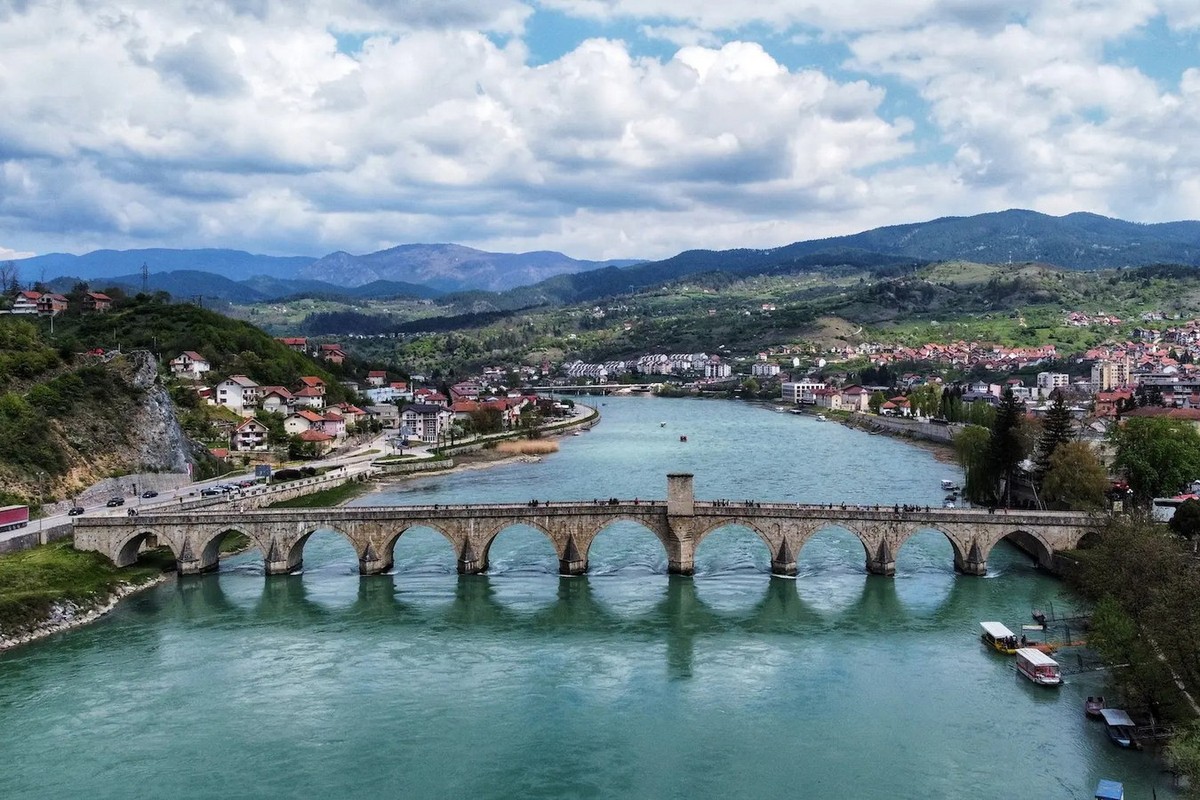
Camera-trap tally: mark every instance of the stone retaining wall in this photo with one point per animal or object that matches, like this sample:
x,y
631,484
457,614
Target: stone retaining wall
x,y
898,426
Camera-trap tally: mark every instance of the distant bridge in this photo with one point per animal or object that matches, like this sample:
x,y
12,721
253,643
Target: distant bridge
x,y
680,523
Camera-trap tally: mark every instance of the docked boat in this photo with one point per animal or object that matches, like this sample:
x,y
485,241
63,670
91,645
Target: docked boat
x,y
950,486
1093,706
820,417
1119,727
1110,790
997,636
1038,667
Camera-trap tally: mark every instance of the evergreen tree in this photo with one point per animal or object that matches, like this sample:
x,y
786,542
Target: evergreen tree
x,y
1006,448
1056,429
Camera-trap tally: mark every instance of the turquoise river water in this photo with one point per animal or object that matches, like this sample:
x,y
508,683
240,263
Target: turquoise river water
x,y
623,683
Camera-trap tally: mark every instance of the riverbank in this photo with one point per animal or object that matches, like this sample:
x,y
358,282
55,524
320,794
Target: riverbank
x,y
53,588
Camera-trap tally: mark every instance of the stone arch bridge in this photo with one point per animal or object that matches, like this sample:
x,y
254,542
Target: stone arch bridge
x,y
680,523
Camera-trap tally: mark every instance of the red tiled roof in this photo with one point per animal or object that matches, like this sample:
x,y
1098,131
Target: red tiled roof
x,y
315,436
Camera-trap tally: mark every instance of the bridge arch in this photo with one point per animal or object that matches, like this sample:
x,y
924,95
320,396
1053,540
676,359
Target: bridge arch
x,y
959,549
490,538
841,525
209,545
125,551
294,551
589,536
1030,541
389,544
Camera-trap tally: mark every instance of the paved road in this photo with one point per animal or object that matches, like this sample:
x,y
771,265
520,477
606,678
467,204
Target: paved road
x,y
355,461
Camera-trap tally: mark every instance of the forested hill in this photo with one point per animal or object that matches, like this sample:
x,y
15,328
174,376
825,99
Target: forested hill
x,y
68,419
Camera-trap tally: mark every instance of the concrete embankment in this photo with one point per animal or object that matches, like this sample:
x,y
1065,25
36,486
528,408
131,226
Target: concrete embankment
x,y
942,434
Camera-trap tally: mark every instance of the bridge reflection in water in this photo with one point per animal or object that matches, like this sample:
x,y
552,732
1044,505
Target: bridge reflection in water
x,y
677,618
680,524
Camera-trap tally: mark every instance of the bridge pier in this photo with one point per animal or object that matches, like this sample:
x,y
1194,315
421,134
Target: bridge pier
x,y
371,563
883,562
572,561
281,561
469,563
973,564
784,563
681,508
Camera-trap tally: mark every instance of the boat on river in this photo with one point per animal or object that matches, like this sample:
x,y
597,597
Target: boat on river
x,y
1110,790
820,417
997,636
1093,706
950,486
1119,727
1038,667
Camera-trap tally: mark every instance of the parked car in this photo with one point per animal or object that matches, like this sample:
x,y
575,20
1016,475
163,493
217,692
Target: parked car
x,y
113,502
210,492
75,511
149,493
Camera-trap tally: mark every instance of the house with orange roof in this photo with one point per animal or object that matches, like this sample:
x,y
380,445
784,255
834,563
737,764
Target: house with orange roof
x,y
96,302
250,436
189,364
25,303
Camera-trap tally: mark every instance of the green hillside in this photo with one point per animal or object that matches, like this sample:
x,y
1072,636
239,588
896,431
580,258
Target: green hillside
x,y
68,418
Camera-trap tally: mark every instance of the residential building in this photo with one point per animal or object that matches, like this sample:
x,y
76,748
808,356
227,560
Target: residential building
x,y
189,364
309,397
801,391
277,400
321,442
313,382
96,302
856,398
717,370
297,343
302,421
1109,375
251,435
1047,382
386,415
25,303
425,421
49,305
764,370
376,378
238,393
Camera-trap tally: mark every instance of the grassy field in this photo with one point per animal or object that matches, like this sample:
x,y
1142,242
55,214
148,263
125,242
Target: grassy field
x,y
31,581
326,498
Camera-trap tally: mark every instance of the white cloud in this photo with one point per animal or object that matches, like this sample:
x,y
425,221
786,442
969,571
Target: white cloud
x,y
259,124
7,254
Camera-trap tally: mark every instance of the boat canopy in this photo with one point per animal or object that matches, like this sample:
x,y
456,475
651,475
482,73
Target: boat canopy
x,y
1036,657
1110,790
996,630
1115,717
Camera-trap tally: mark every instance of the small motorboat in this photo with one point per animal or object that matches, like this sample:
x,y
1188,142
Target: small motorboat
x,y
1110,790
1093,706
662,424
820,417
1119,727
683,438
950,486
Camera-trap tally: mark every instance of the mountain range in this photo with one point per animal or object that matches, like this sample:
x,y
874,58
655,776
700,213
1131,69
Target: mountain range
x,y
1078,241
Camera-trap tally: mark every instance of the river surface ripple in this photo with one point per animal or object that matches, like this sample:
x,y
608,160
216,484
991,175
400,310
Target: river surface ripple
x,y
624,683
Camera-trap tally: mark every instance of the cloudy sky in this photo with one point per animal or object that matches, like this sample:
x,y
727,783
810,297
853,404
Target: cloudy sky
x,y
602,128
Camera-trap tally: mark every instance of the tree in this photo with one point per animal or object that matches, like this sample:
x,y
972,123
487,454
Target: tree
x,y
876,402
750,386
1186,521
1156,455
1007,448
1056,430
1075,477
971,450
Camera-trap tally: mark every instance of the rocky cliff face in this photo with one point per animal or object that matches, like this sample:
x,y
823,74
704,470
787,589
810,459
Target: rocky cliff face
x,y
158,440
